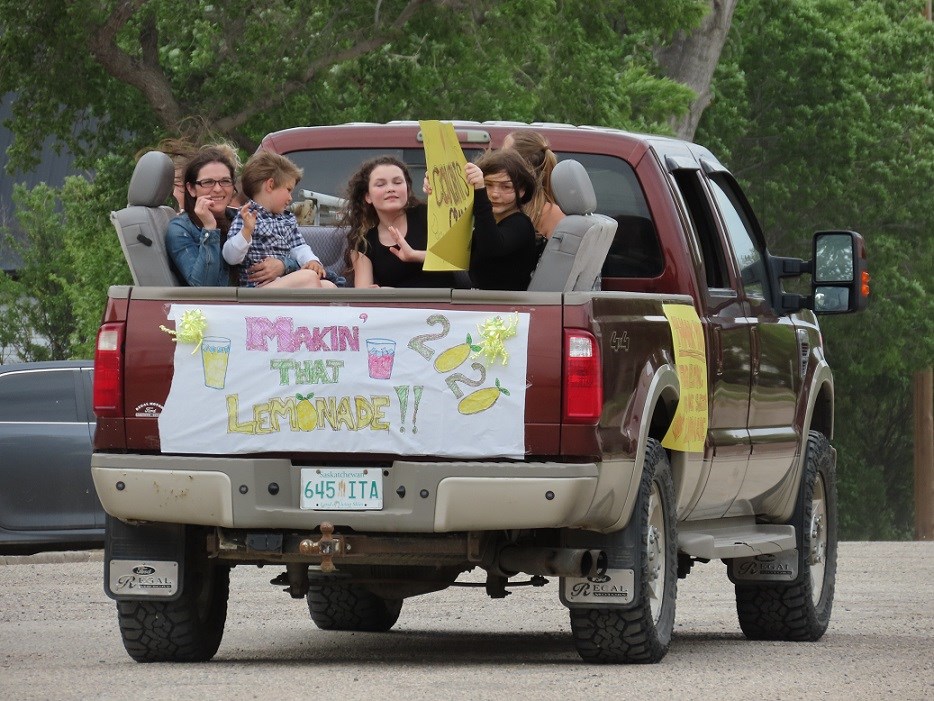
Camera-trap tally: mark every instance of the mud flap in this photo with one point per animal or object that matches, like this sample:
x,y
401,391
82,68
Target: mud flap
x,y
143,562
616,588
777,567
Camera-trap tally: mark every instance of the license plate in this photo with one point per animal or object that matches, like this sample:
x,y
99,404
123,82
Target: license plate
x,y
342,489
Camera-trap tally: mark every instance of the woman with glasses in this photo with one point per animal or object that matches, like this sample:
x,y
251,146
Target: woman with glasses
x,y
503,253
193,240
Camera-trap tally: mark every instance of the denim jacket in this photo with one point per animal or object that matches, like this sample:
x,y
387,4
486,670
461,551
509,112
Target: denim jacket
x,y
195,254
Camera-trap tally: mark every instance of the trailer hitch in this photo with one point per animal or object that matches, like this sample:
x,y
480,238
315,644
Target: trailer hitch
x,y
326,547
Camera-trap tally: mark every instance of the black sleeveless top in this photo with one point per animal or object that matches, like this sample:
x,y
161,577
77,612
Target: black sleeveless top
x,y
389,271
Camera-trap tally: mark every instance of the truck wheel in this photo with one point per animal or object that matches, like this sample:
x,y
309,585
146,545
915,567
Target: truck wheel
x,y
351,607
801,610
640,634
188,629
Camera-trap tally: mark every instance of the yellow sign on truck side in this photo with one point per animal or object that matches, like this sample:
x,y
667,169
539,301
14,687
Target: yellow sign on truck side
x,y
688,429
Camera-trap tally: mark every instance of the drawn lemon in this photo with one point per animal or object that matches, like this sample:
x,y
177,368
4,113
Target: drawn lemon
x,y
306,413
481,400
455,355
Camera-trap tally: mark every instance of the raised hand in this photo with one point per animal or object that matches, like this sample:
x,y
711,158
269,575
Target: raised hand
x,y
203,210
474,176
249,221
402,250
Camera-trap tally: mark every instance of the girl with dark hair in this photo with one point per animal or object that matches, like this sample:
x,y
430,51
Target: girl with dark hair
x,y
387,229
503,253
193,240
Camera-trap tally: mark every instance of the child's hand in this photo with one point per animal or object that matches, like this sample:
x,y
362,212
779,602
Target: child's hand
x,y
426,185
249,221
474,176
315,266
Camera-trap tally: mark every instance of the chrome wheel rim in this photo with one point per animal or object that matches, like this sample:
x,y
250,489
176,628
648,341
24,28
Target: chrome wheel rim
x,y
655,554
817,539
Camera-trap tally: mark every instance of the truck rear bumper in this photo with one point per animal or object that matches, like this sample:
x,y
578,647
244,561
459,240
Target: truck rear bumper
x,y
419,497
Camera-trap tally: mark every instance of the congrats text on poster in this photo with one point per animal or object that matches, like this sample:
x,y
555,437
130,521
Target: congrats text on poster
x,y
450,205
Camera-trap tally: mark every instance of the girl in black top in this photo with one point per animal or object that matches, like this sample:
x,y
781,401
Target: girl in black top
x,y
503,252
387,229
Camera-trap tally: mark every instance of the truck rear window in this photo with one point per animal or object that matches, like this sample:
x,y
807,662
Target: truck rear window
x,y
635,251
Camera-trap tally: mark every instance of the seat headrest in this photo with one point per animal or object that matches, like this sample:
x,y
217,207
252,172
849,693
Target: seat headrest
x,y
573,189
153,180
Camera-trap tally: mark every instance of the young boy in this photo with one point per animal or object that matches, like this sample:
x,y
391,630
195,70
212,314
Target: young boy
x,y
265,226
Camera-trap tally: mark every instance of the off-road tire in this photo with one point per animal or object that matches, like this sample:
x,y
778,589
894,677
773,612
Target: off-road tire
x,y
188,629
800,610
640,634
351,607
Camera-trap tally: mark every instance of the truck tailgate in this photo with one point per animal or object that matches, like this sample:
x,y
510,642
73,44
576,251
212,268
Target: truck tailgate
x,y
150,356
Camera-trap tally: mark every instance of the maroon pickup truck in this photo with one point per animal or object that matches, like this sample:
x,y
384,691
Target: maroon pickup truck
x,y
655,399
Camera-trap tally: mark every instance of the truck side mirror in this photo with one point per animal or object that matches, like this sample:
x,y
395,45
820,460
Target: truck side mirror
x,y
840,278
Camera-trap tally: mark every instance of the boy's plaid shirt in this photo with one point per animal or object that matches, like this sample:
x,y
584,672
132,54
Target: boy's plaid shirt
x,y
275,235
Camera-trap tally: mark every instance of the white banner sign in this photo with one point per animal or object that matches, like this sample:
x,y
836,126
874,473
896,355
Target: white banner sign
x,y
349,380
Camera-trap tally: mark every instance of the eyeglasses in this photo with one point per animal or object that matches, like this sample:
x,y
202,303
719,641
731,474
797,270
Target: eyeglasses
x,y
209,183
502,185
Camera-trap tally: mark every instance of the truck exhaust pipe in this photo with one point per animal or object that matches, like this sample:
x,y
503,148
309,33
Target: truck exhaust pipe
x,y
556,562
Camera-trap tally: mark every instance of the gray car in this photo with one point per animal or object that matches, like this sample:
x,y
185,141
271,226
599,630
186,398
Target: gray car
x,y
47,498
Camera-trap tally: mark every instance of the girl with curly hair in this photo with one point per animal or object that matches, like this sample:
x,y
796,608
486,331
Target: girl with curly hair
x,y
387,229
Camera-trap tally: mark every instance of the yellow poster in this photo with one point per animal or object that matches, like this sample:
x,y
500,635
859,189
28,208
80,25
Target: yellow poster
x,y
688,429
450,205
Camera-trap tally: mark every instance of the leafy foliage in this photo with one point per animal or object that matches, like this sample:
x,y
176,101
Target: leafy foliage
x,y
52,308
106,78
101,74
36,314
824,110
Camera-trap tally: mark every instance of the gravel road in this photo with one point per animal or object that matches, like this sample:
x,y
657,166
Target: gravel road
x,y
59,640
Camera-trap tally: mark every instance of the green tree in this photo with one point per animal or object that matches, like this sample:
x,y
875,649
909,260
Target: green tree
x,y
824,110
106,78
98,73
70,256
36,320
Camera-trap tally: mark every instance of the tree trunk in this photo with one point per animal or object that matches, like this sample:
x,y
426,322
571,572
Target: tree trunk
x,y
691,58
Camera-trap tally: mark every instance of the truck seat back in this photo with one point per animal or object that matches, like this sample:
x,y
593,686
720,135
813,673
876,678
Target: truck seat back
x,y
574,254
141,226
328,243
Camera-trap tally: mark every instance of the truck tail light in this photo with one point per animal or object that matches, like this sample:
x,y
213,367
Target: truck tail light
x,y
583,379
108,370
